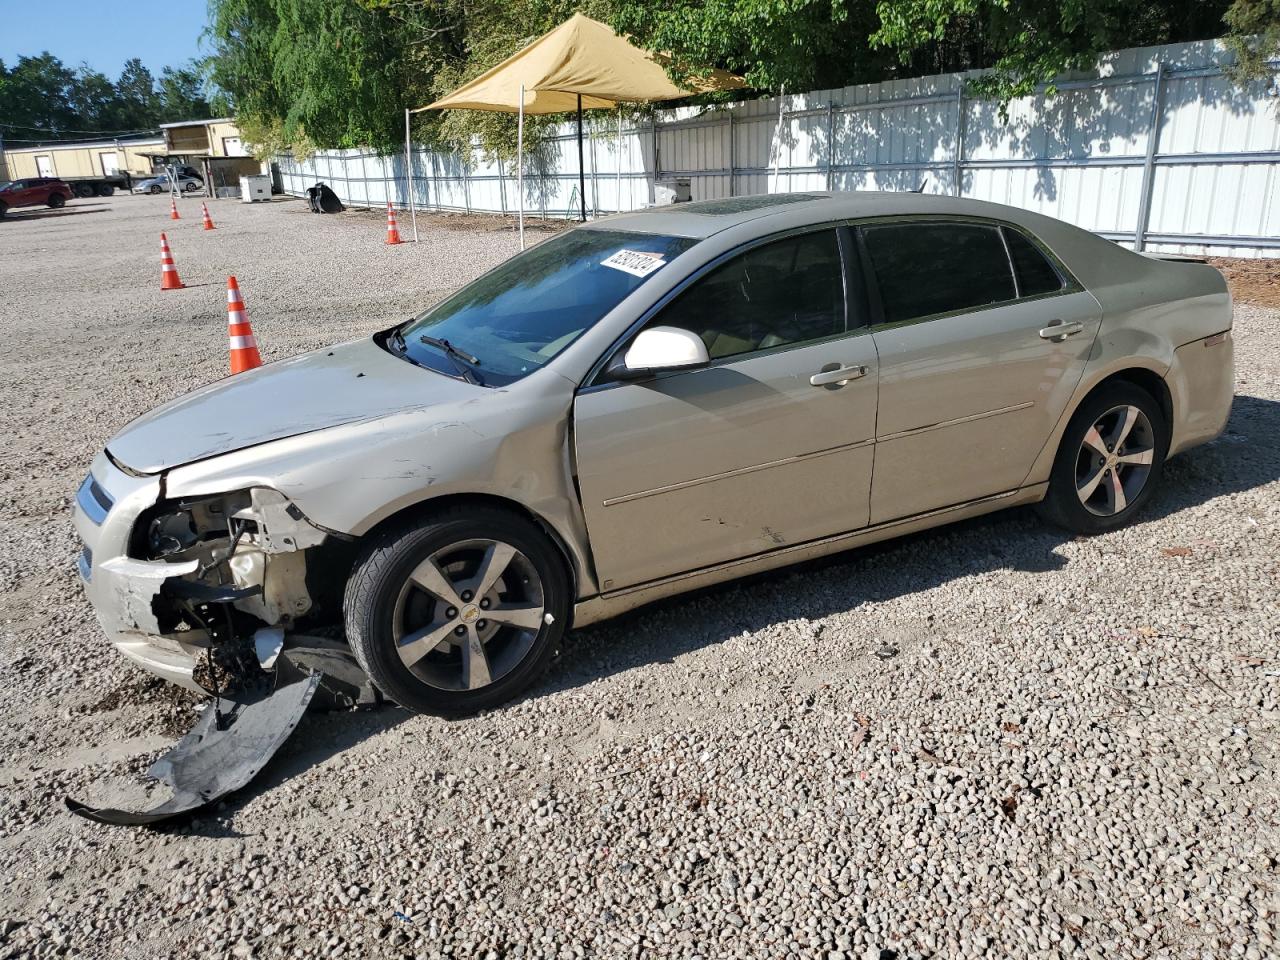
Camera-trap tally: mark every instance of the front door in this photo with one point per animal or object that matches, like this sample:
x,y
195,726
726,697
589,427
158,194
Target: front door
x,y
972,377
699,467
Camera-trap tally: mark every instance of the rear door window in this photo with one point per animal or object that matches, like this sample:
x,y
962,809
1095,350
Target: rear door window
x,y
927,269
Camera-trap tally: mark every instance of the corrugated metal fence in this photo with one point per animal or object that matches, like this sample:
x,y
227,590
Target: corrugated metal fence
x,y
1154,148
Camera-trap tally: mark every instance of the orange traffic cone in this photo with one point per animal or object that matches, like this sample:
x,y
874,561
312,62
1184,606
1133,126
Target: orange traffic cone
x,y
208,220
393,235
244,346
169,279
173,209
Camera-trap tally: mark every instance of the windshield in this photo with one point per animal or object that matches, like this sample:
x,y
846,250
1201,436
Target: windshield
x,y
519,315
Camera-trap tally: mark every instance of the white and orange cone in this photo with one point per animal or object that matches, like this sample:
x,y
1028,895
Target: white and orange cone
x,y
208,220
173,209
244,346
393,234
169,279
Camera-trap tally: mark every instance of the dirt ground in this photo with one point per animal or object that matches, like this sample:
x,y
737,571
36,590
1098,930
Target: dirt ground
x,y
1252,281
992,740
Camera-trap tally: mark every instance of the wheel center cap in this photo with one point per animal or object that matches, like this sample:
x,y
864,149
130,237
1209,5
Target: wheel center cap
x,y
1112,460
470,613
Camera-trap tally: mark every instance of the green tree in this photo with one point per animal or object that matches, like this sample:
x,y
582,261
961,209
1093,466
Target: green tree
x,y
36,94
1254,38
302,72
181,95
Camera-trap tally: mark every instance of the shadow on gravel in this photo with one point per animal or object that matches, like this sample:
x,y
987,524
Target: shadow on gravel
x,y
50,214
1246,456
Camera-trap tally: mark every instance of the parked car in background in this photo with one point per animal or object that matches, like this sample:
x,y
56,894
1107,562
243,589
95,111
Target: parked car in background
x,y
652,403
160,184
33,192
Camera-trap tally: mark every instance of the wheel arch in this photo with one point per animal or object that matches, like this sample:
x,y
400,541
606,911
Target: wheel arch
x,y
447,501
1144,376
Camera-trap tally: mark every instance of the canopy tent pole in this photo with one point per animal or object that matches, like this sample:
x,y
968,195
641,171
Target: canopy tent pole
x,y
582,174
619,158
408,176
520,164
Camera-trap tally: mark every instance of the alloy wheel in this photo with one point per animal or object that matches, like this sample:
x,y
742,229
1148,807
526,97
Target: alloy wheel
x,y
468,614
1114,461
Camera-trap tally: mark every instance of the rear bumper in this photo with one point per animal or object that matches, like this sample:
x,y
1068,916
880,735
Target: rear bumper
x,y
121,589
1202,384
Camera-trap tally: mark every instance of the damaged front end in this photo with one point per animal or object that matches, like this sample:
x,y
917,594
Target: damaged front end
x,y
244,562
212,593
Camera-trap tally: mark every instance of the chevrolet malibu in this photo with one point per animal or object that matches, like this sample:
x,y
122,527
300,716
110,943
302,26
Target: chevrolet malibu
x,y
649,404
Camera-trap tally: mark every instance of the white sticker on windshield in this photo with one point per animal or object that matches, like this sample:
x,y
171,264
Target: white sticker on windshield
x,y
635,262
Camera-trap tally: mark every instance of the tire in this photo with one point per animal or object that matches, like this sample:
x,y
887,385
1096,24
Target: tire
x,y
83,190
507,624
1098,484
106,189
190,187
4,210
154,189
56,201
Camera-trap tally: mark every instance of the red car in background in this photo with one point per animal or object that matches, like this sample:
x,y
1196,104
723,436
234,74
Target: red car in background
x,y
33,192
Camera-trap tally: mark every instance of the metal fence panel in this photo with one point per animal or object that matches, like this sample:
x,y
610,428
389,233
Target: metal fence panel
x,y
1154,148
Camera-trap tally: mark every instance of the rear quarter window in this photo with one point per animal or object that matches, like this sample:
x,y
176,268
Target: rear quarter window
x,y
926,269
1036,275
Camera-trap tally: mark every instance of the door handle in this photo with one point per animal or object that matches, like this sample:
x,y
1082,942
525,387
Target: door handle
x,y
1059,331
837,375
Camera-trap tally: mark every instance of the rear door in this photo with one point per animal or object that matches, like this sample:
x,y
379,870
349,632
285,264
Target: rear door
x,y
747,455
973,376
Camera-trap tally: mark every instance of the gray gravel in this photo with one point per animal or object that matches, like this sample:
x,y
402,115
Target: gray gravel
x,y
992,740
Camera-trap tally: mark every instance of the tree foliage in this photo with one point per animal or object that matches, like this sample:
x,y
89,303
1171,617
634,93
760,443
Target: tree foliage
x,y
41,98
338,73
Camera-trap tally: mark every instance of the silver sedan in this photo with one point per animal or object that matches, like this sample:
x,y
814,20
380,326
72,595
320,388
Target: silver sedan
x,y
648,404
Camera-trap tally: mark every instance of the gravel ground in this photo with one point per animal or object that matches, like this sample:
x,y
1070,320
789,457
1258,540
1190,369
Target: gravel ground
x,y
991,740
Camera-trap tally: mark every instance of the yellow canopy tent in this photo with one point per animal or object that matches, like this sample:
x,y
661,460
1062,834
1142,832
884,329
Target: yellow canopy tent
x,y
581,64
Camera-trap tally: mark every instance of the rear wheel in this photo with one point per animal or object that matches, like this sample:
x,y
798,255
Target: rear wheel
x,y
459,611
84,190
190,186
56,201
1109,461
106,190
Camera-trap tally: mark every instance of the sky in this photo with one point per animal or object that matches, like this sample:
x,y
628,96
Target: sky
x,y
160,32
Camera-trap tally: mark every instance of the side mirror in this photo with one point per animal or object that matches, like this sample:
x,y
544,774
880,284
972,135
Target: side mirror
x,y
658,349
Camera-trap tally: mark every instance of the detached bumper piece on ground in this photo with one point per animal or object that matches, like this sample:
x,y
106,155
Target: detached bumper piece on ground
x,y
260,693
232,741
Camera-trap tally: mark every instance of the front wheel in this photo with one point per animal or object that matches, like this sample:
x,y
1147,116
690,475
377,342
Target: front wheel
x,y
154,189
1109,461
190,187
459,611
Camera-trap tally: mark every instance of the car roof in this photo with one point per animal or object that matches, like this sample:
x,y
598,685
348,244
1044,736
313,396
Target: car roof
x,y
703,218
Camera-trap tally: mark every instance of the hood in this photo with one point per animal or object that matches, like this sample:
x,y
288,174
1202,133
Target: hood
x,y
312,391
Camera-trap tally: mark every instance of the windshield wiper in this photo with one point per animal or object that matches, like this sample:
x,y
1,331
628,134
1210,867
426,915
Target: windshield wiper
x,y
455,355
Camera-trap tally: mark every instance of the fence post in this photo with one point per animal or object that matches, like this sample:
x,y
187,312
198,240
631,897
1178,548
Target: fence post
x,y
733,154
957,170
1149,164
831,141
502,187
653,187
466,179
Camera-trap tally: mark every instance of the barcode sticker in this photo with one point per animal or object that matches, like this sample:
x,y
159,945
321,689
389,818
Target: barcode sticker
x,y
635,262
